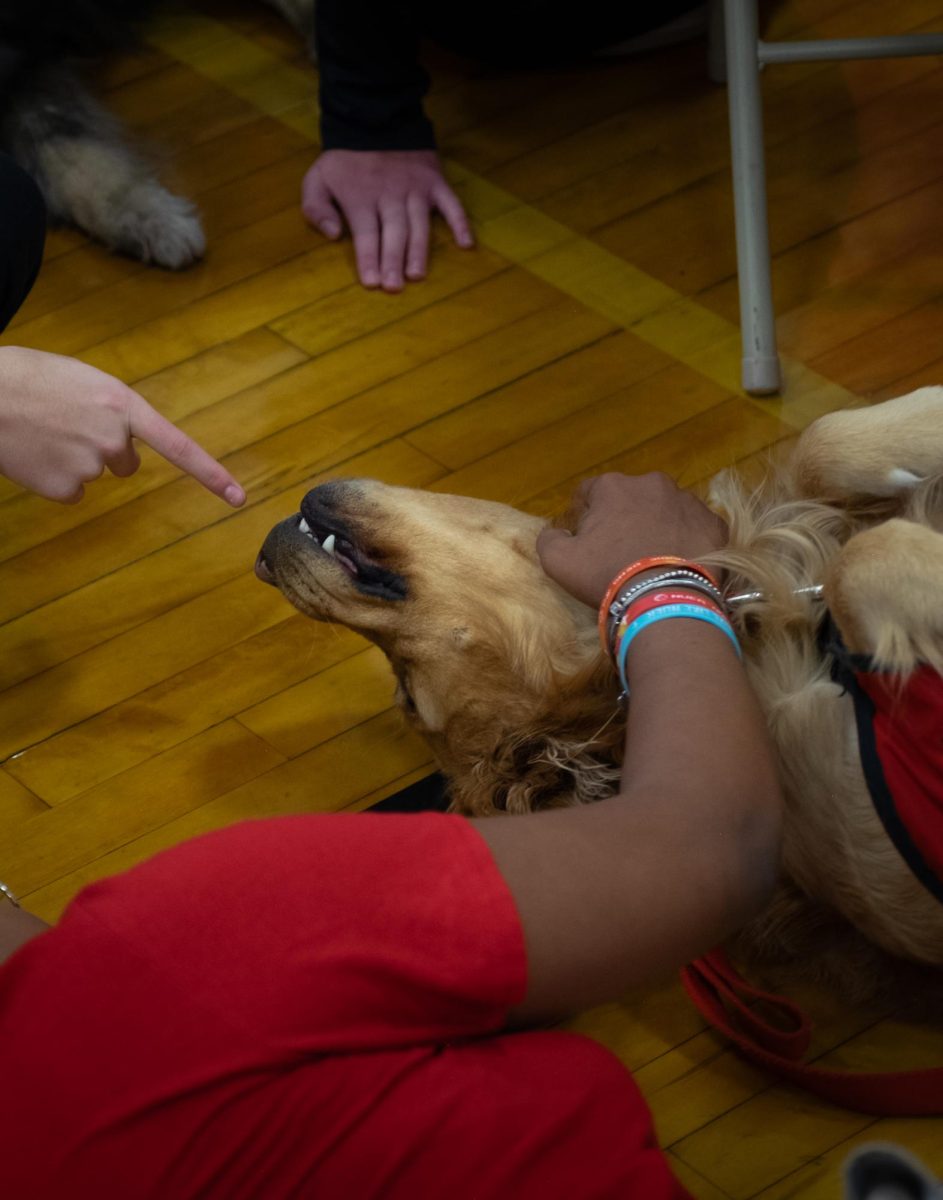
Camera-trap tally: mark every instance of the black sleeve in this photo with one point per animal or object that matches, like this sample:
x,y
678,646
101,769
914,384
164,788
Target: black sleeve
x,y
372,84
22,234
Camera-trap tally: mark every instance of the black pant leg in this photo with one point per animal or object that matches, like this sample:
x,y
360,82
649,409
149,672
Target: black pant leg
x,y
22,236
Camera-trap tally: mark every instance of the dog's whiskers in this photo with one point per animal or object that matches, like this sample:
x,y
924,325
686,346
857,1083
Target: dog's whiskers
x,y
590,742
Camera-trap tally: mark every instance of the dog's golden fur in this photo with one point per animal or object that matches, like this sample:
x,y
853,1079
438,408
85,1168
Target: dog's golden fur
x,y
503,674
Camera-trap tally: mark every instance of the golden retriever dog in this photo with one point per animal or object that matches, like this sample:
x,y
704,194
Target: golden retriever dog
x,y
502,671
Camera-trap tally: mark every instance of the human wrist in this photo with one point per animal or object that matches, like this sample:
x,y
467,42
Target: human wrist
x,y
650,593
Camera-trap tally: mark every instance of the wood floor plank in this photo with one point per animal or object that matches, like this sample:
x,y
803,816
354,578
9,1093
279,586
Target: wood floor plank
x,y
218,373
166,90
576,99
68,276
690,451
155,344
17,802
758,1143
212,114
342,773
352,312
258,22
838,314
678,170
143,298
397,333
115,71
554,390
696,1184
849,254
685,136
821,1179
262,142
548,456
135,802
61,240
133,595
643,1027
324,705
883,1046
871,360
929,375
61,695
178,708
247,68
671,237
262,192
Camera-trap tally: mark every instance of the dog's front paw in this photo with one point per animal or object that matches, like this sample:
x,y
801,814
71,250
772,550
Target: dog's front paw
x,y
884,592
883,451
156,226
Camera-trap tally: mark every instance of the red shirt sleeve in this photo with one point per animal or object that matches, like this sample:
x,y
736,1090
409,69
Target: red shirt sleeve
x,y
251,950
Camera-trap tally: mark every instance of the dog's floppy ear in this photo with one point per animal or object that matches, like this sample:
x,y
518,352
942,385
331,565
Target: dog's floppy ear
x,y
536,771
569,755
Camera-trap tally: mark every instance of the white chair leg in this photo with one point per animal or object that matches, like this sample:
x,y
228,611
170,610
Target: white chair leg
x,y
760,364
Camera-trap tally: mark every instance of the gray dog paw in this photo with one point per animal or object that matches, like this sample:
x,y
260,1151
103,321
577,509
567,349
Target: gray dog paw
x,y
156,226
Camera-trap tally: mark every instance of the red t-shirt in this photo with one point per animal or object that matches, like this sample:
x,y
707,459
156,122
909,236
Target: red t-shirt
x,y
294,1008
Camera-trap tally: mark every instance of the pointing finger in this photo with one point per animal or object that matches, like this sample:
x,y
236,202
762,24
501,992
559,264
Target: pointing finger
x,y
146,423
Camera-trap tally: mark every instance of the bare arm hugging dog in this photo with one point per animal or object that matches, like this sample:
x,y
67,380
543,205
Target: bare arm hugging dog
x,y
62,423
616,893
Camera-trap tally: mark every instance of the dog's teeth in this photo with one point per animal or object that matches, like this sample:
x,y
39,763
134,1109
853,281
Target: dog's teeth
x,y
328,544
304,526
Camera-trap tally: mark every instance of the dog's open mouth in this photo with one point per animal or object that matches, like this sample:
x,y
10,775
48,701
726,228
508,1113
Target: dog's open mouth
x,y
323,534
341,549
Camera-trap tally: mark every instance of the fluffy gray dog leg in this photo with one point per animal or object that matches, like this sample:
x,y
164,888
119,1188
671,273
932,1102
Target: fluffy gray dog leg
x,y
92,178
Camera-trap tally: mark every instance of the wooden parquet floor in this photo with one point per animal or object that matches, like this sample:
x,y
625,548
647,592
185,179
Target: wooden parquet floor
x,y
153,689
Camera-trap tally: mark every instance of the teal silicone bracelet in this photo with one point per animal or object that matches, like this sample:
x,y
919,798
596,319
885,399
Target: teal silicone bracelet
x,y
665,613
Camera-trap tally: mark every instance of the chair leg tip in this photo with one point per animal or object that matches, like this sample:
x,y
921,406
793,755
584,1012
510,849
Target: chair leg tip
x,y
761,376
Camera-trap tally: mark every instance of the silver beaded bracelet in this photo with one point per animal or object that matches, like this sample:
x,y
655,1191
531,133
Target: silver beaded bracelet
x,y
682,577
8,893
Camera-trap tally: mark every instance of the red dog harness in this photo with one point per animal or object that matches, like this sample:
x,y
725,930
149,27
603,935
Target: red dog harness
x,y
900,738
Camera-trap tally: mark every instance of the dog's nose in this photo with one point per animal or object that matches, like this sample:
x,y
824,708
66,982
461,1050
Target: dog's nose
x,y
331,496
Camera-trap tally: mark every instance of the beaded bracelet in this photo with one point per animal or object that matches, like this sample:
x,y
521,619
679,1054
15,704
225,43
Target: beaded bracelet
x,y
666,612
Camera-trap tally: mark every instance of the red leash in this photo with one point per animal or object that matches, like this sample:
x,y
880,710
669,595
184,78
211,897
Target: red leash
x,y
724,998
